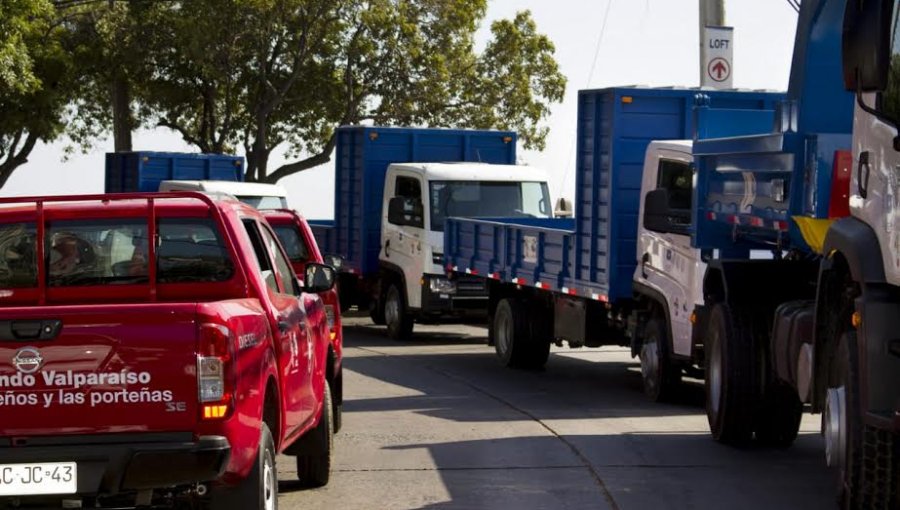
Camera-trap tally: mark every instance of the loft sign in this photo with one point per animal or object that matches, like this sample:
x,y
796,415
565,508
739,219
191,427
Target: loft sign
x,y
717,54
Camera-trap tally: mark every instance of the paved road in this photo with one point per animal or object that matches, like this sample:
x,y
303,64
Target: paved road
x,y
436,423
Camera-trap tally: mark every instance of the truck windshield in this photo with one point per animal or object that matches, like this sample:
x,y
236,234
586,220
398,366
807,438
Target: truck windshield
x,y
264,202
474,199
890,98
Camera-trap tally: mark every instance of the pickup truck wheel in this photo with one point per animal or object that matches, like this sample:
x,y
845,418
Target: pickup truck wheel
x,y
314,465
260,489
399,322
660,377
730,394
778,421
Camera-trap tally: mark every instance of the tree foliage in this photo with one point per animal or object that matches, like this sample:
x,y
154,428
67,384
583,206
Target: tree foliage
x,y
262,74
35,81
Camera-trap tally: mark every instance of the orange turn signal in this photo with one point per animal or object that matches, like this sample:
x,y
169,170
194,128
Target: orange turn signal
x,y
211,412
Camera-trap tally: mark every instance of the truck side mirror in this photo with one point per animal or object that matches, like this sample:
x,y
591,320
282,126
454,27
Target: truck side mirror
x,y
660,217
319,278
406,211
865,45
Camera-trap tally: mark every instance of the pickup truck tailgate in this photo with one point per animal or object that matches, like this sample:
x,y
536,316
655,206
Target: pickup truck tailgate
x,y
98,369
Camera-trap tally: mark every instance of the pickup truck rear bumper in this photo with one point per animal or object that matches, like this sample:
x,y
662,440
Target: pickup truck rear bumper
x,y
114,463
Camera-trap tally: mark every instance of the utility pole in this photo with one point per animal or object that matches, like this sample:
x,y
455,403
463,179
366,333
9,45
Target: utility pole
x,y
712,12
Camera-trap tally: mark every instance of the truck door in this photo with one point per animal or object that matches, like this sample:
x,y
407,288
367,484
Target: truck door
x,y
667,262
293,340
403,237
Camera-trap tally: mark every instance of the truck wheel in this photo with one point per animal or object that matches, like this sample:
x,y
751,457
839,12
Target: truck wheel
x,y
260,489
376,311
660,377
778,420
399,322
314,465
514,341
730,393
866,459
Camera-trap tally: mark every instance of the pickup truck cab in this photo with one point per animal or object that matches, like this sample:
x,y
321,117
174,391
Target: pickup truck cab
x,y
156,349
300,247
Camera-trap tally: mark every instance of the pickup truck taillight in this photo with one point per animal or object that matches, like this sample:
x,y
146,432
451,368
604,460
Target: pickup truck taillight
x,y
215,370
329,315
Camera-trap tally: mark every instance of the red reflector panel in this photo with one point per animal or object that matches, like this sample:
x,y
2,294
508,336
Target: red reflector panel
x,y
839,206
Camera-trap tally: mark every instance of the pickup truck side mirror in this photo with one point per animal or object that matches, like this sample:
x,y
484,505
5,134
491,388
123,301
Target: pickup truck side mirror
x,y
660,217
406,211
319,278
866,51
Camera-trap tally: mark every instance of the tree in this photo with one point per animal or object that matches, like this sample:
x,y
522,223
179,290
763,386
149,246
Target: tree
x,y
268,73
35,86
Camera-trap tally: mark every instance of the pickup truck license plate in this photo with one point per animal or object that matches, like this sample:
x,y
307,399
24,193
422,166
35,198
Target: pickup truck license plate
x,y
38,478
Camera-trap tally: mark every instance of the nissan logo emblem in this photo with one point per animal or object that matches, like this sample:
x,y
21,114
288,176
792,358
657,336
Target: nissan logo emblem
x,y
28,360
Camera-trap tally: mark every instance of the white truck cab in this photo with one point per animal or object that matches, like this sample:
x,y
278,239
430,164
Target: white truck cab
x,y
418,197
670,272
257,194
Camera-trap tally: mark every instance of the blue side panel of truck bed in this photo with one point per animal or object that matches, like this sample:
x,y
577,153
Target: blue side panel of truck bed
x,y
143,171
362,158
595,256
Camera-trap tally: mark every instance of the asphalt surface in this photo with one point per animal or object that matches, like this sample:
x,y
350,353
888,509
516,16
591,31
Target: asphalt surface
x,y
436,423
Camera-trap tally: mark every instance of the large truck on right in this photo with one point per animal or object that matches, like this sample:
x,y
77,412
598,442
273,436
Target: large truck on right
x,y
818,325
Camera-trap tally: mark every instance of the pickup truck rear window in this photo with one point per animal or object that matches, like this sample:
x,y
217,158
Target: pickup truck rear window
x,y
18,268
115,251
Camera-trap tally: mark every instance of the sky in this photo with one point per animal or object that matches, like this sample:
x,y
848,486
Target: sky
x,y
645,42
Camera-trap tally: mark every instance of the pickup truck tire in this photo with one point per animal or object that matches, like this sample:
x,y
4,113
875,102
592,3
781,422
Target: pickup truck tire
x,y
730,360
661,379
396,316
260,489
314,464
778,419
514,341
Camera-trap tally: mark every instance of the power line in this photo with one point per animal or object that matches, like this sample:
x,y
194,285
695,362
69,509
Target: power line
x,y
587,85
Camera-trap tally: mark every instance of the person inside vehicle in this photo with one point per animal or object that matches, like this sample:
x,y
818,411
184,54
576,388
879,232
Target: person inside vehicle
x,y
69,254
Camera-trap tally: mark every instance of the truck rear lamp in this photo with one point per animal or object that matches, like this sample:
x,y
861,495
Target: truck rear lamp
x,y
211,412
211,378
442,286
329,318
839,203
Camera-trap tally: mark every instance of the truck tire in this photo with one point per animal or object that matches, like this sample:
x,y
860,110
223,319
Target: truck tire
x,y
514,341
730,360
260,489
314,464
778,419
376,311
866,459
398,320
661,379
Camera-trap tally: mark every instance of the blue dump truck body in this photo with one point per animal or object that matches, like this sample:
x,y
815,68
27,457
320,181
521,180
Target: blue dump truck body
x,y
361,161
751,190
593,256
143,171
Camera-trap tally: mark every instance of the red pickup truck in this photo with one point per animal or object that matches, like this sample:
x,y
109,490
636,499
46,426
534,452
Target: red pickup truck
x,y
156,349
300,245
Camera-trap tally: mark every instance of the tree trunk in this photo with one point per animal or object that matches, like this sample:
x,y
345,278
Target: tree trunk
x,y
15,159
121,107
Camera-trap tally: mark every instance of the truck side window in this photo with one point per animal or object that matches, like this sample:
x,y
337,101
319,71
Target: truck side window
x,y
18,255
408,187
281,264
190,251
264,265
677,177
293,243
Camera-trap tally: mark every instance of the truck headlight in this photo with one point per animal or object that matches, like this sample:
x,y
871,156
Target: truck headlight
x,y
442,286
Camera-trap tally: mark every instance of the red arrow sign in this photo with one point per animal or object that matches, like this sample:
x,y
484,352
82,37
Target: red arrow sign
x,y
719,69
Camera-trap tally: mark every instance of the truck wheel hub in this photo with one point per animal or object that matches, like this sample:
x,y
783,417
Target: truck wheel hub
x,y
392,309
649,361
835,427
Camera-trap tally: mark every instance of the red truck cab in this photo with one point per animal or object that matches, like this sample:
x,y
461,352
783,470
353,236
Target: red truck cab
x,y
300,246
156,349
